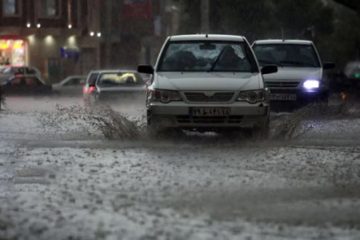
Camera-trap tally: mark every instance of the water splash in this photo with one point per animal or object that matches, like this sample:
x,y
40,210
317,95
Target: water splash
x,y
111,124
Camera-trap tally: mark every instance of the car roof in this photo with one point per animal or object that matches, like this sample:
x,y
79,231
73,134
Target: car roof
x,y
215,37
112,70
284,41
75,76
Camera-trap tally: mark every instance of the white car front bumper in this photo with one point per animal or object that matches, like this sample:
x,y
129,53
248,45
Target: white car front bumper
x,y
180,114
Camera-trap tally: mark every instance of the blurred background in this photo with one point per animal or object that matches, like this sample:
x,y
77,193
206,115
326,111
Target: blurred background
x,y
72,37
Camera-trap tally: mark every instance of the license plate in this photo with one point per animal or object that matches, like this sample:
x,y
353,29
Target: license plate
x,y
283,97
210,112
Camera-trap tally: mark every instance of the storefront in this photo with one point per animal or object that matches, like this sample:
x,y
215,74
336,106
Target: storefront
x,y
13,51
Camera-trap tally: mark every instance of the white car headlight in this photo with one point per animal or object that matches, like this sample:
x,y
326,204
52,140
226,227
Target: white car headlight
x,y
253,96
311,84
164,96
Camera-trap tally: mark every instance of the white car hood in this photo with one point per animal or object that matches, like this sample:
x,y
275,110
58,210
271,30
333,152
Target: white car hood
x,y
289,74
212,81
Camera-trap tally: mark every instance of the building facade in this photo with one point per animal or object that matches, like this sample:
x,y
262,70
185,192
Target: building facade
x,y
66,37
48,34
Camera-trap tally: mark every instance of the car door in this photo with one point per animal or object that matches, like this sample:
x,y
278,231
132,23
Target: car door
x,y
72,86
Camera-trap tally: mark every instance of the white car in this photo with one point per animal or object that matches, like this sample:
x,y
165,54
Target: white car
x,y
300,77
71,85
207,82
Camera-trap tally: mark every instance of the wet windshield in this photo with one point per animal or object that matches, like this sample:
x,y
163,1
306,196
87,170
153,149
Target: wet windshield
x,y
286,55
119,79
207,56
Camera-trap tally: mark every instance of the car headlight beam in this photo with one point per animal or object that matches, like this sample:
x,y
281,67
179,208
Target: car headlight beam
x,y
311,84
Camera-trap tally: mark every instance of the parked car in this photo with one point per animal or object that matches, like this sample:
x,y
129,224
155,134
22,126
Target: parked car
x,y
23,80
8,73
207,82
26,85
300,78
107,85
71,85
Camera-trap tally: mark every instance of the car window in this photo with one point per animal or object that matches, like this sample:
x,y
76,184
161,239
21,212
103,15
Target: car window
x,y
8,70
73,82
289,55
197,56
92,78
26,81
19,70
120,79
30,71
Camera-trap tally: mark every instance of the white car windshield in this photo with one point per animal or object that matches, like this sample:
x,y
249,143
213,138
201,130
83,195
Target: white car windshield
x,y
287,55
207,56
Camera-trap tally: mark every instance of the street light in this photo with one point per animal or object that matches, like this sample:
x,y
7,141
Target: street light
x,y
28,25
92,34
98,34
38,25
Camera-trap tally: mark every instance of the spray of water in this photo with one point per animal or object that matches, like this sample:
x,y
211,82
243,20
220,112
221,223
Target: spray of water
x,y
287,126
113,125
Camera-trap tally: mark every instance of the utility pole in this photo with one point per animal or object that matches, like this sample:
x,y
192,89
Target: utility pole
x,y
205,16
108,33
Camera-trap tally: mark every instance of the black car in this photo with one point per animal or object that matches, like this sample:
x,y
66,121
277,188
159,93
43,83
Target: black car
x,y
25,85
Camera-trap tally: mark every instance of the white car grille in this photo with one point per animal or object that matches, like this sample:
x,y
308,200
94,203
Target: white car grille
x,y
209,97
282,84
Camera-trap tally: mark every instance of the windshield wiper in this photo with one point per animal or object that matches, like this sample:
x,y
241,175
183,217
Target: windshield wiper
x,y
216,60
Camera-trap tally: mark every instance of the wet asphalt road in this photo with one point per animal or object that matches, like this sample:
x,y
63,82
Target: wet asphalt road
x,y
64,182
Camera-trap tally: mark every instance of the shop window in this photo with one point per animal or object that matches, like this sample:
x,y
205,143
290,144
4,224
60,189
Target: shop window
x,y
13,52
11,8
50,8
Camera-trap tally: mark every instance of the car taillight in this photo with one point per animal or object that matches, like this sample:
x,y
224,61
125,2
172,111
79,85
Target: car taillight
x,y
89,89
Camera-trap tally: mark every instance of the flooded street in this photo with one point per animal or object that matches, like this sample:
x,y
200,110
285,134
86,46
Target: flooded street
x,y
67,172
